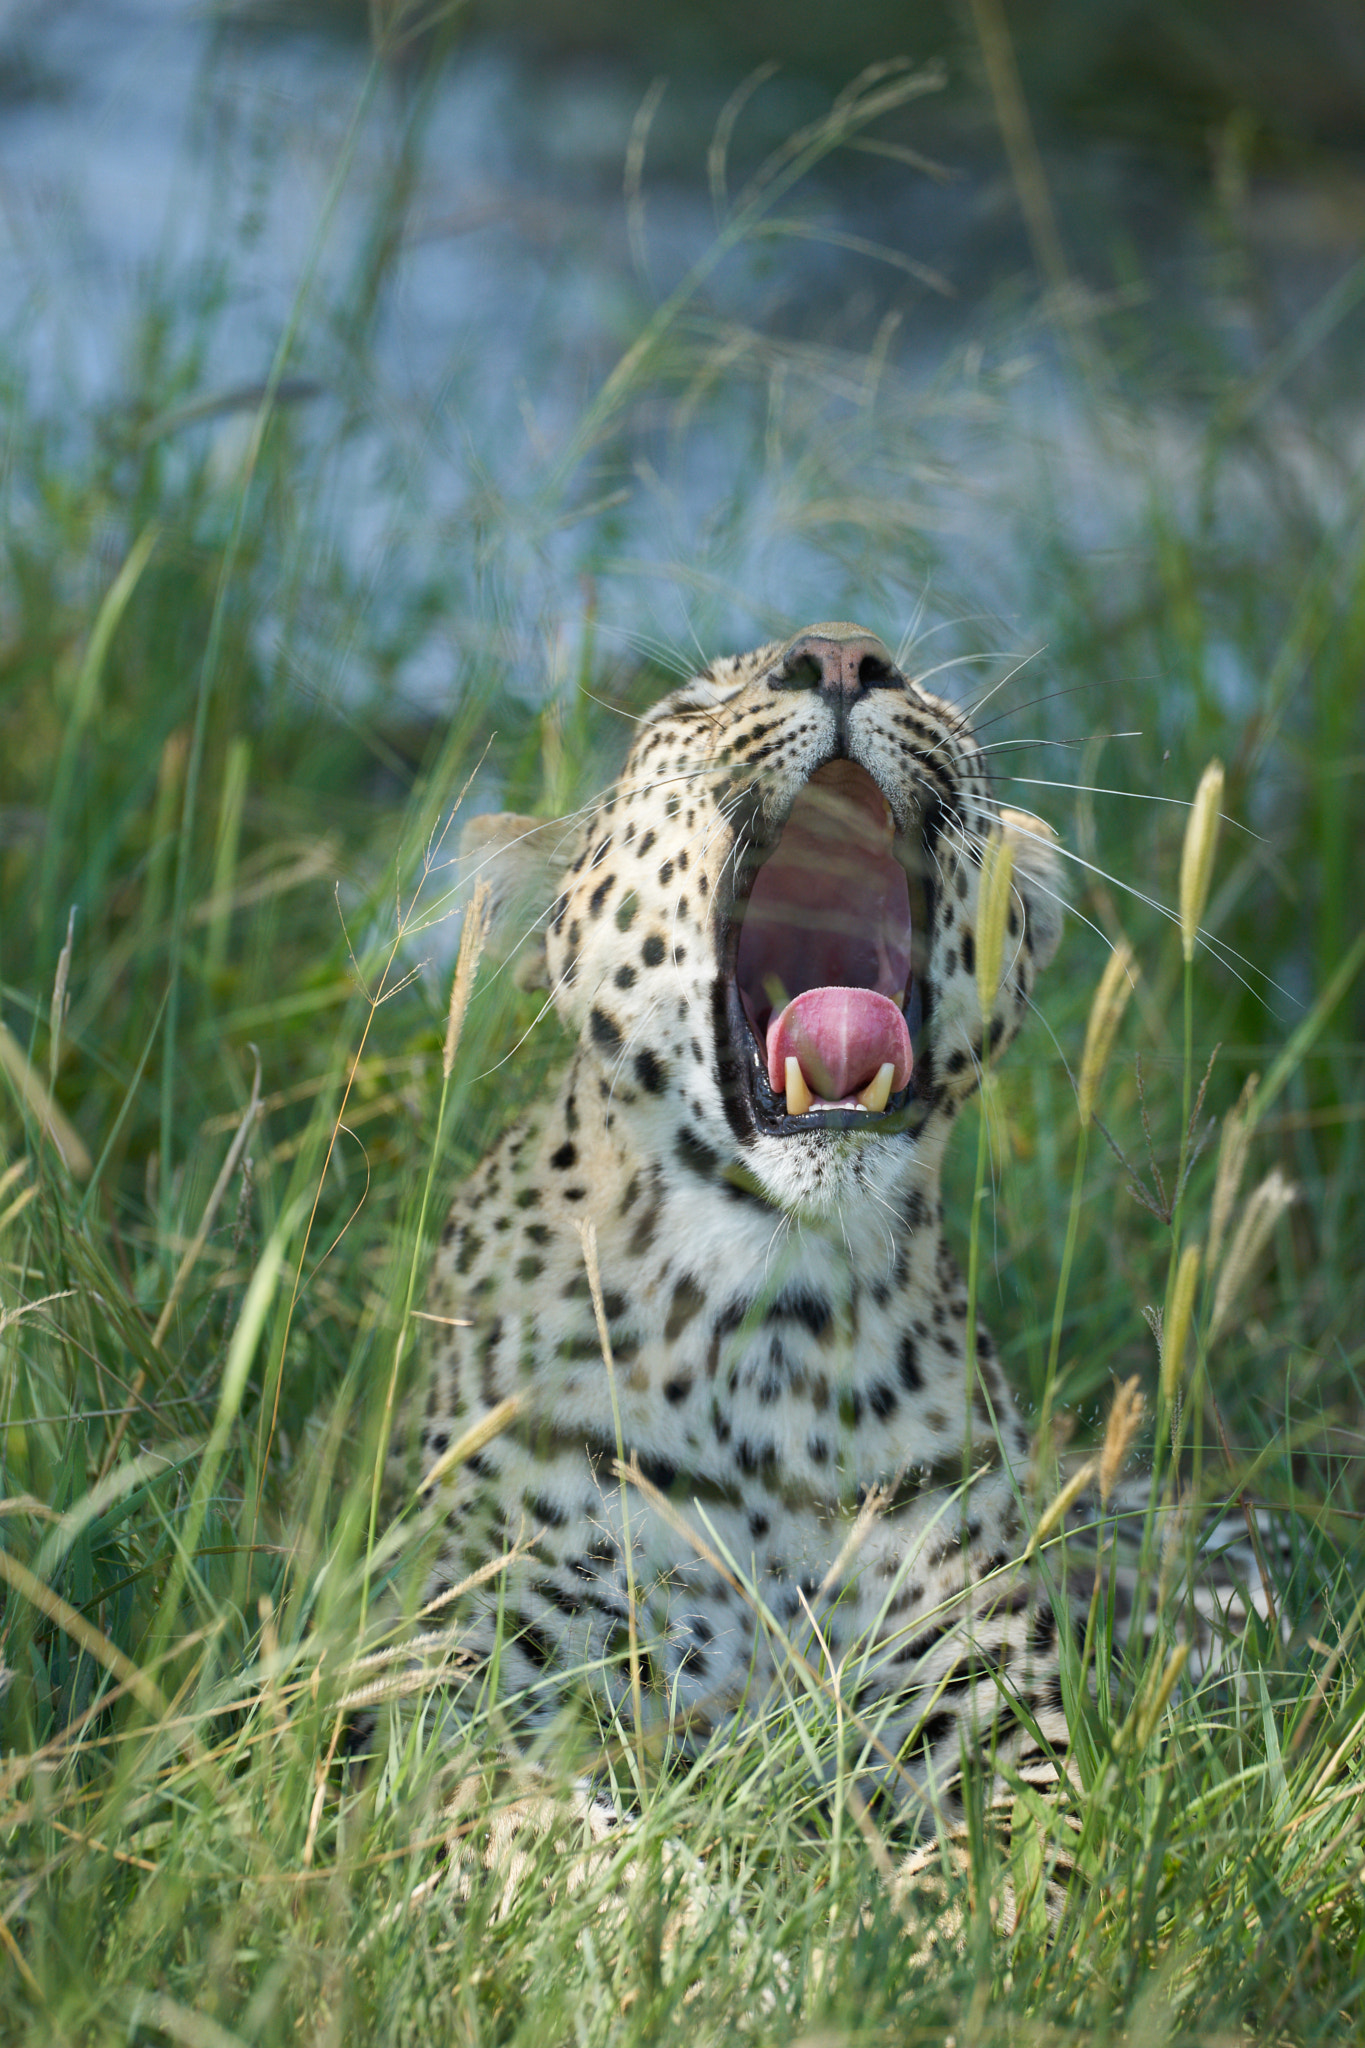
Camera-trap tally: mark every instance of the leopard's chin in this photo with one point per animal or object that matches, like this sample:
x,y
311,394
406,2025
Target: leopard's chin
x,y
824,943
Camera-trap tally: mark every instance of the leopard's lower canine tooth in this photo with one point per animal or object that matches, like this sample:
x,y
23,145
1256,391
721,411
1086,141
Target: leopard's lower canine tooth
x,y
877,1093
799,1097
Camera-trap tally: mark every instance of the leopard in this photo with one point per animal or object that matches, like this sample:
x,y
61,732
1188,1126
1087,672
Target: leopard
x,y
707,1389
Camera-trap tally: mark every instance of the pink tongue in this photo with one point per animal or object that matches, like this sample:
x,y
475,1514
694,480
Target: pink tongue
x,y
841,1037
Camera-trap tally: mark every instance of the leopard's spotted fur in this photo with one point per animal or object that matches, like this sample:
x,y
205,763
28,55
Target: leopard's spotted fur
x,y
788,1324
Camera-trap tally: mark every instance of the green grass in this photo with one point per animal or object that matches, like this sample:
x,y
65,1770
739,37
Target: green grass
x,y
197,1366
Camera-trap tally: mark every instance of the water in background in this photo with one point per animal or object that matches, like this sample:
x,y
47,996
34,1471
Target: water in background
x,y
863,408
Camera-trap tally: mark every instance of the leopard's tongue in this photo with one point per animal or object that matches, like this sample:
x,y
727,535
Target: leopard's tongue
x,y
842,1037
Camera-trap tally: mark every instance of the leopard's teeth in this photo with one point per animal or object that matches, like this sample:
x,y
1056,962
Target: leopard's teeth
x,y
877,1093
799,1097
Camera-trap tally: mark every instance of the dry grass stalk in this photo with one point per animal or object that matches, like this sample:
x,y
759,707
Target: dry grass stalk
x,y
1125,1418
466,967
8,1179
187,1264
1106,1011
235,1153
74,1624
474,1438
1058,1507
1196,860
58,1011
993,909
42,1107
1147,1710
1262,1213
1232,1159
1176,1328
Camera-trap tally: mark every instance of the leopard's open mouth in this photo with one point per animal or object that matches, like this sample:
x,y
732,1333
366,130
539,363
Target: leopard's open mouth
x,y
825,950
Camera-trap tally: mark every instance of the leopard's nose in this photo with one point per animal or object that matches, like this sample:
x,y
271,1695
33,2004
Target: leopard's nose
x,y
837,657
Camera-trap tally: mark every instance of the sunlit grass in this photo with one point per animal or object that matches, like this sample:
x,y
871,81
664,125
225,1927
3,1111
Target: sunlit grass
x,y
230,1111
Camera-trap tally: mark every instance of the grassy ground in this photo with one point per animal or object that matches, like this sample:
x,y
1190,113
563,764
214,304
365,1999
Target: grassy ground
x,y
226,1139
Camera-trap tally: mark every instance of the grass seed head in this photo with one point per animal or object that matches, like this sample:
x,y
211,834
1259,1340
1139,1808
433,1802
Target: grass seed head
x,y
1151,1704
1176,1328
1125,1419
1262,1212
1196,861
997,881
1232,1159
466,967
1058,1507
1111,999
57,1012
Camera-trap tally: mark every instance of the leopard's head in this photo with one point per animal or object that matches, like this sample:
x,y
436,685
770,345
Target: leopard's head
x,y
766,936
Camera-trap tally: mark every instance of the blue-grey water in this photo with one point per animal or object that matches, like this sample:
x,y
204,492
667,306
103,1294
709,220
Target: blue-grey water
x,y
826,431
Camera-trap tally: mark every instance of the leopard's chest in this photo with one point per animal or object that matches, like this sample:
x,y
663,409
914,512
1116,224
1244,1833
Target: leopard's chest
x,y
739,1343
762,1383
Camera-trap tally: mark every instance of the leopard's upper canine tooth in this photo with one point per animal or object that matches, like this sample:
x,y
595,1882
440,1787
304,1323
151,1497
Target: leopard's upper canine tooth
x,y
877,1093
799,1097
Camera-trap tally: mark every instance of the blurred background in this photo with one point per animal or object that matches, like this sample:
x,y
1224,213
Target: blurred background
x,y
465,218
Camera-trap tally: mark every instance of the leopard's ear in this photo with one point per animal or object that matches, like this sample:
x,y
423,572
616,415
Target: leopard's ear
x,y
1038,878
521,861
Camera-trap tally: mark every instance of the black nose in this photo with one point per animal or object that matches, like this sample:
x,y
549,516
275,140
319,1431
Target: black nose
x,y
843,659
